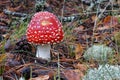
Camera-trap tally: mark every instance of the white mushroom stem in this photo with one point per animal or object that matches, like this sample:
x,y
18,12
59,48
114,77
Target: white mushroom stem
x,y
43,51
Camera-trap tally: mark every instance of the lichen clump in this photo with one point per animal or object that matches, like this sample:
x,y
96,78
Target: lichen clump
x,y
104,72
98,53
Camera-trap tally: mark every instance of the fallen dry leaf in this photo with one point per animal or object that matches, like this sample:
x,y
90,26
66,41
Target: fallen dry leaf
x,y
109,22
94,18
78,51
77,29
73,74
81,67
2,57
43,77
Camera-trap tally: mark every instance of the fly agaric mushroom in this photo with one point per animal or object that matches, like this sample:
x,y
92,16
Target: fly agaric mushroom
x,y
43,30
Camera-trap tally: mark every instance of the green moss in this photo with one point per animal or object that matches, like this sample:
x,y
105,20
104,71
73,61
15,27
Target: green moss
x,y
2,49
119,19
19,31
117,38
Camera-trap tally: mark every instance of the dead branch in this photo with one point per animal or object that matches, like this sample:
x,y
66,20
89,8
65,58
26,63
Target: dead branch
x,y
17,14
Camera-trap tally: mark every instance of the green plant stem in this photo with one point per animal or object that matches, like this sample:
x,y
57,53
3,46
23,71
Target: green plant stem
x,y
58,71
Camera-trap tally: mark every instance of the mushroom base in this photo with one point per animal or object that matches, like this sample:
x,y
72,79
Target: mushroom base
x,y
43,51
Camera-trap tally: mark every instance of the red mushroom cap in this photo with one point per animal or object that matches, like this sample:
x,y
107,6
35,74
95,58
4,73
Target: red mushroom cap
x,y
44,28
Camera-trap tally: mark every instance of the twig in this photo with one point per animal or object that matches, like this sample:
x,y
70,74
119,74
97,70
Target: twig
x,y
103,10
14,13
4,21
12,1
26,3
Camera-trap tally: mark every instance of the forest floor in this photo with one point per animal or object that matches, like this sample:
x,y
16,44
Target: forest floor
x,y
85,23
